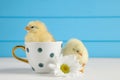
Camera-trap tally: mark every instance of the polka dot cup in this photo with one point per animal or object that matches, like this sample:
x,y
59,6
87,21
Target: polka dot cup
x,y
40,55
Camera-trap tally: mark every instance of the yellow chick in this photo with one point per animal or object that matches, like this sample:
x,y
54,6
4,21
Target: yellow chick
x,y
37,32
77,48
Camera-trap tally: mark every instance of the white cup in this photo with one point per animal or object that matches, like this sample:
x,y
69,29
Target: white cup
x,y
40,55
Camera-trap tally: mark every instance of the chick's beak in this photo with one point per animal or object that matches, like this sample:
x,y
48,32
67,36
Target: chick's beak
x,y
27,28
80,54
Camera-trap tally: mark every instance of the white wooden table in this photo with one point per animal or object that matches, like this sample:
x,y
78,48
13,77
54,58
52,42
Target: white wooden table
x,y
97,69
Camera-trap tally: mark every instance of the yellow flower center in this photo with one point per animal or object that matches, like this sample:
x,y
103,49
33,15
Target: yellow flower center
x,y
65,68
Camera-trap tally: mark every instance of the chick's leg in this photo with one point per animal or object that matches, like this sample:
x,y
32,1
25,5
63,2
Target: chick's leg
x,y
83,68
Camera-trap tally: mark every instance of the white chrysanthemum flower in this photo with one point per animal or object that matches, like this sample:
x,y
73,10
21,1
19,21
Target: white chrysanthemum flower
x,y
67,65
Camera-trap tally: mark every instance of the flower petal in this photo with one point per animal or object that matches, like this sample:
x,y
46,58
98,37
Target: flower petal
x,y
69,60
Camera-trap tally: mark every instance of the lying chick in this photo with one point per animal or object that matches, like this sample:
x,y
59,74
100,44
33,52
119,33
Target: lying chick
x,y
37,32
77,48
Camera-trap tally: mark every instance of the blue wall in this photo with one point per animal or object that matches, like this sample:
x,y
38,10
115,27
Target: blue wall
x,y
95,22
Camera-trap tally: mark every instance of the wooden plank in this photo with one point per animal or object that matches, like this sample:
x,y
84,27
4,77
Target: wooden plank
x,y
64,29
95,49
59,8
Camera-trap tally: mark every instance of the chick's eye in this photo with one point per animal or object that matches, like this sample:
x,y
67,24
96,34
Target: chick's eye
x,y
32,26
77,51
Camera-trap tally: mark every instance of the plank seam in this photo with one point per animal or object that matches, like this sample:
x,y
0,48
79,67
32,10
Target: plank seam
x,y
59,17
66,40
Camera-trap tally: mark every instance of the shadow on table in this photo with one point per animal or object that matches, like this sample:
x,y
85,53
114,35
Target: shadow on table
x,y
27,71
16,71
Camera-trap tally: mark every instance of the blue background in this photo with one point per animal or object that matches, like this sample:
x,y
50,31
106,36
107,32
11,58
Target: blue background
x,y
95,22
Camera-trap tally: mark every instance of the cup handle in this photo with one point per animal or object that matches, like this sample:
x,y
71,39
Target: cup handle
x,y
16,57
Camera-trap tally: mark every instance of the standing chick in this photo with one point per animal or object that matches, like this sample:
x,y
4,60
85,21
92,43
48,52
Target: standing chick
x,y
77,48
37,32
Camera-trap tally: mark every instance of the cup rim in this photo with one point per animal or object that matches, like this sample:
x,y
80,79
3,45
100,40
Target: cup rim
x,y
46,42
